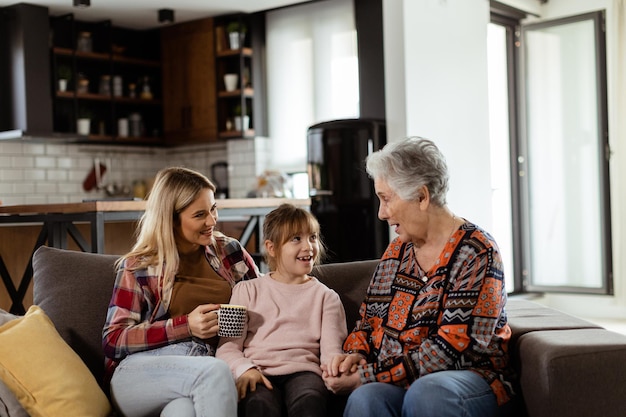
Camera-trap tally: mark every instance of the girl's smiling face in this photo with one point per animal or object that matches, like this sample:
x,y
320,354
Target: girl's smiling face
x,y
196,223
296,256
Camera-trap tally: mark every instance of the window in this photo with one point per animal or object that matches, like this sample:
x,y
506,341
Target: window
x,y
565,157
318,82
551,144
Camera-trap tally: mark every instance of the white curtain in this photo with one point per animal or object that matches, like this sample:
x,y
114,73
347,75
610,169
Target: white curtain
x,y
312,68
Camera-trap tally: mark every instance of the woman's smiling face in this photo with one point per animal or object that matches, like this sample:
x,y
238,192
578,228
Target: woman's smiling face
x,y
196,222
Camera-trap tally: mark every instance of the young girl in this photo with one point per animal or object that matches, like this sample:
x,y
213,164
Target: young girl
x,y
295,324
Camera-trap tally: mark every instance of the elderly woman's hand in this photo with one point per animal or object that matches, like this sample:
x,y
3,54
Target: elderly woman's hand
x,y
340,375
202,321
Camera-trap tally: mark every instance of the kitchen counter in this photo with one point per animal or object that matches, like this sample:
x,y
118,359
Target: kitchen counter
x,y
59,222
140,205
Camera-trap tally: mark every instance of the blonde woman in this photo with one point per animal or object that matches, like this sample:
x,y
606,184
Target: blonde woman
x,y
161,329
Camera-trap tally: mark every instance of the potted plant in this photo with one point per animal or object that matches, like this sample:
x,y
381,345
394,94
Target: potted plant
x,y
64,75
236,34
242,122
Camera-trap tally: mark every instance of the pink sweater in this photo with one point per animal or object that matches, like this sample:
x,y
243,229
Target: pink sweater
x,y
291,328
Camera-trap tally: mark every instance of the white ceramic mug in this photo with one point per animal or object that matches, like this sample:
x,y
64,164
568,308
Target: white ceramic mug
x,y
230,81
231,319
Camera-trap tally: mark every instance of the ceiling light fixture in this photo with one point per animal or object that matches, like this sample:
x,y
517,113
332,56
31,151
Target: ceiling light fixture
x,y
82,3
166,16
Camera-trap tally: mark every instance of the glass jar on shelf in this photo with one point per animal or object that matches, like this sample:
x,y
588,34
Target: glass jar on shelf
x,y
84,42
146,92
105,85
117,86
82,84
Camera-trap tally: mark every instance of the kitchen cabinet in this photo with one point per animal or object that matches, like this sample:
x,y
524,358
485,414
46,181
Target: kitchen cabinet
x,y
234,58
189,94
114,81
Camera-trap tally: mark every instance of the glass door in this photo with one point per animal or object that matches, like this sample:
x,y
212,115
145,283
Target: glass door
x,y
564,157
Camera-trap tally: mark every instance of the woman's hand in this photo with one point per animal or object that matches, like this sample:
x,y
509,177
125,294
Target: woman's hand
x,y
249,380
340,375
341,364
203,321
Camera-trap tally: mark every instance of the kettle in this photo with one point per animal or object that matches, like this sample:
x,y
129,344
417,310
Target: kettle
x,y
219,175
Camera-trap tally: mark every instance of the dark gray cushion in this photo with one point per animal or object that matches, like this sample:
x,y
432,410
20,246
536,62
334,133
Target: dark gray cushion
x,y
528,316
350,280
580,372
74,289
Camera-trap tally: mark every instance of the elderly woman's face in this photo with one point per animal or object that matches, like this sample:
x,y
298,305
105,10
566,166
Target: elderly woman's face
x,y
402,215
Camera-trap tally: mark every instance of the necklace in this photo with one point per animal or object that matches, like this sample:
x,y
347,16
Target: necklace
x,y
432,259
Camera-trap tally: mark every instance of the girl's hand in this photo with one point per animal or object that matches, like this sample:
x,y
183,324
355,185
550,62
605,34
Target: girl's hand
x,y
202,321
340,375
343,364
249,380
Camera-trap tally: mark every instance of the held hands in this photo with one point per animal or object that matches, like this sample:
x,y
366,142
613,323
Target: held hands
x,y
340,375
249,380
202,321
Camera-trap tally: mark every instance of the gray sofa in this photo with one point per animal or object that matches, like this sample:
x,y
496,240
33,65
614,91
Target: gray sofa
x,y
567,366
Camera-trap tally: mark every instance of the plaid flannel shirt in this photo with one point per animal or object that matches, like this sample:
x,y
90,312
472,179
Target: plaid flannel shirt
x,y
138,318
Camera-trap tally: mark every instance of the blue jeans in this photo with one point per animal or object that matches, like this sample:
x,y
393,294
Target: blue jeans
x,y
178,380
440,394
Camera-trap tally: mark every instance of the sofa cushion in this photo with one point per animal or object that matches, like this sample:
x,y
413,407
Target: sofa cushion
x,y
47,377
578,372
528,316
350,280
74,289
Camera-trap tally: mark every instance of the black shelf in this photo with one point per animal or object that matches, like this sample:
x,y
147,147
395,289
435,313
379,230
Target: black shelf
x,y
234,60
132,56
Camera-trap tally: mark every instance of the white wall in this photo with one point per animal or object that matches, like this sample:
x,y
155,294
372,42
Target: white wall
x,y
436,87
435,78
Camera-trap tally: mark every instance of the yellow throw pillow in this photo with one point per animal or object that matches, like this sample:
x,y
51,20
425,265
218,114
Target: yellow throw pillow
x,y
48,378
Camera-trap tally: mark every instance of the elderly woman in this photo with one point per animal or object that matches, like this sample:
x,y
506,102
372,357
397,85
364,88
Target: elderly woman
x,y
432,338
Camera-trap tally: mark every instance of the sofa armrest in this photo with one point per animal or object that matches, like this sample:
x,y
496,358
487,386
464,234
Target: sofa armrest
x,y
579,372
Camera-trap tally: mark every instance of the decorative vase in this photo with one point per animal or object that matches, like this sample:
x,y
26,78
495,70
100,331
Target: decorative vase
x,y
83,126
242,123
230,81
62,84
235,39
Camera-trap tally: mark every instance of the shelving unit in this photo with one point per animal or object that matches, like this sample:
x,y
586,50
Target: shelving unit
x,y
239,60
128,55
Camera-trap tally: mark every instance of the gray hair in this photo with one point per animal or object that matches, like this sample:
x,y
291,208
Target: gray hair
x,y
408,165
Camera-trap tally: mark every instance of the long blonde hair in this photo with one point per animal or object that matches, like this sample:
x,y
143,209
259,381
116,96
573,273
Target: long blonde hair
x,y
174,190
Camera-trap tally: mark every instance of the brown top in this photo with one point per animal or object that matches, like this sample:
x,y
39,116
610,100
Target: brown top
x,y
197,283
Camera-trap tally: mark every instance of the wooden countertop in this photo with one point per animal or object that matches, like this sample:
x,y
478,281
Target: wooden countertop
x,y
140,205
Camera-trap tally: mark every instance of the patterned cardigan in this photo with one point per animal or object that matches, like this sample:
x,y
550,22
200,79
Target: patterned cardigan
x,y
416,322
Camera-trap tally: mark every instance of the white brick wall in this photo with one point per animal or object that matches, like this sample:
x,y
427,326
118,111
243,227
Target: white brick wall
x,y
41,173
246,160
